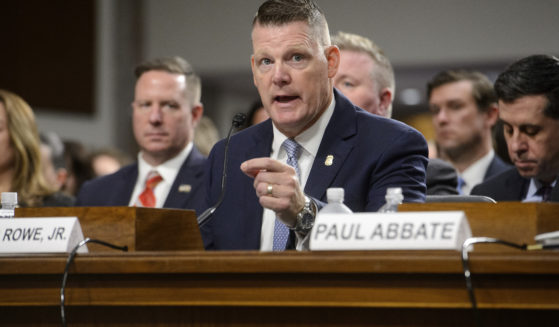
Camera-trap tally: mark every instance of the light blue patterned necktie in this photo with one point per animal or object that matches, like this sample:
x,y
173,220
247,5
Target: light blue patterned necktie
x,y
461,183
281,232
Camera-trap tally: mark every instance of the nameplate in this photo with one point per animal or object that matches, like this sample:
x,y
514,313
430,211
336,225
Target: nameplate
x,y
440,230
40,235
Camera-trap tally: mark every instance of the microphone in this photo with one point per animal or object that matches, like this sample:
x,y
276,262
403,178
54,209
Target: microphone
x,y
237,122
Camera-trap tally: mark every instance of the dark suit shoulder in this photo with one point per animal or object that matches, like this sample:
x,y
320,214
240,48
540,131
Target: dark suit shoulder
x,y
496,167
108,180
108,190
196,158
442,178
506,186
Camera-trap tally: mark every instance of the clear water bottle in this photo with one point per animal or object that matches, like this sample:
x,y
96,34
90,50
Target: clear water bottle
x,y
9,203
335,204
393,197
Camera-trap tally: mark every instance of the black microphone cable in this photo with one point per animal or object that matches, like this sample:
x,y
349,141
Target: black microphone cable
x,y
69,261
237,122
468,275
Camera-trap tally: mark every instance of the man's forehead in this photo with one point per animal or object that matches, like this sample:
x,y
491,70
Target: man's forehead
x,y
457,86
462,89
298,32
524,110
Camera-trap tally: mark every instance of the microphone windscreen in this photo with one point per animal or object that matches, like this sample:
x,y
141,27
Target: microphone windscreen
x,y
239,119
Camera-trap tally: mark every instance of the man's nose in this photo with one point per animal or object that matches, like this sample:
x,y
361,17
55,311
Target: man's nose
x,y
155,114
281,74
517,142
441,116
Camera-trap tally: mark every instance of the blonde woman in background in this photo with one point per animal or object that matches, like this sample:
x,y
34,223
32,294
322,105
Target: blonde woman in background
x,y
20,163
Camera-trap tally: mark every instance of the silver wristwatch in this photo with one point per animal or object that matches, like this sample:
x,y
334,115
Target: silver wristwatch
x,y
305,218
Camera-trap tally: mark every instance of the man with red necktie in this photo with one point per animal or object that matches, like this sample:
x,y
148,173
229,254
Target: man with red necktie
x,y
169,171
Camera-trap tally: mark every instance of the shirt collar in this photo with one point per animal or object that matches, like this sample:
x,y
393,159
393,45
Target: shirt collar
x,y
169,169
310,138
533,189
474,174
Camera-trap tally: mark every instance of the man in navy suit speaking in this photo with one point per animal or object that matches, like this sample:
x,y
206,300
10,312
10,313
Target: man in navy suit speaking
x,y
169,171
280,169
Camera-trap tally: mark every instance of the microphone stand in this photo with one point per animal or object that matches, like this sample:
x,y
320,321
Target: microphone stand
x,y
237,122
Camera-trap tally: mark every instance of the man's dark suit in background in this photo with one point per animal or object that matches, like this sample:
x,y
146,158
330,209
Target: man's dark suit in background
x,y
496,167
441,178
507,186
116,189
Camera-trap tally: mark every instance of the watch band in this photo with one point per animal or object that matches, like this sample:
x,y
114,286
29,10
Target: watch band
x,y
305,218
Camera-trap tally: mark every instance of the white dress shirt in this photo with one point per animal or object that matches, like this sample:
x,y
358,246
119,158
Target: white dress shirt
x,y
167,170
474,174
310,142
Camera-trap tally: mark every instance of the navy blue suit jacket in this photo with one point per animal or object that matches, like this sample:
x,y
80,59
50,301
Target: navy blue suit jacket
x,y
370,154
496,167
116,189
509,186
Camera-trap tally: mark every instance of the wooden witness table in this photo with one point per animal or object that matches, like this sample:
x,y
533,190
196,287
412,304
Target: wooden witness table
x,y
381,288
167,281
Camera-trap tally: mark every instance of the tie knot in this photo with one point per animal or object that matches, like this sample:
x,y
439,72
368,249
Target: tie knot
x,y
292,148
545,192
153,179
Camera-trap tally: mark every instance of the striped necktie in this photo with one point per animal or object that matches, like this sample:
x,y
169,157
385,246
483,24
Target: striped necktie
x,y
281,232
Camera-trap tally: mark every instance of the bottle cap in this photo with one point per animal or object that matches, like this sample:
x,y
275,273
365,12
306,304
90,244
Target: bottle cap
x,y
335,194
394,191
9,198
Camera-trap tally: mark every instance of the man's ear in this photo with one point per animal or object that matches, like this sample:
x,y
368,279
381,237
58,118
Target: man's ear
x,y
332,54
492,114
197,113
385,102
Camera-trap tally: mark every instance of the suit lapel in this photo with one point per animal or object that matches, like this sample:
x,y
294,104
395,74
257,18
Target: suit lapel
x,y
337,143
518,186
125,185
187,182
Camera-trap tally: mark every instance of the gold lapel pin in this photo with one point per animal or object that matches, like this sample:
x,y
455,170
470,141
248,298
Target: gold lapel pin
x,y
329,160
185,188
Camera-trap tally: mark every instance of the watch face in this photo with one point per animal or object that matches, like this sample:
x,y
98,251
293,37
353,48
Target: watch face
x,y
307,220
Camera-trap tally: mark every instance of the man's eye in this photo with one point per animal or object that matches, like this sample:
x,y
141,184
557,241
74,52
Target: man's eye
x,y
348,84
266,61
434,110
455,105
532,131
297,58
171,106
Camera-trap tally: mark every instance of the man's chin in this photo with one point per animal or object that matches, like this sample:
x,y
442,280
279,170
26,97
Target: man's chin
x,y
156,149
526,172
